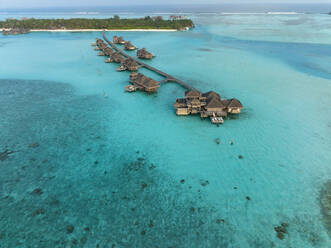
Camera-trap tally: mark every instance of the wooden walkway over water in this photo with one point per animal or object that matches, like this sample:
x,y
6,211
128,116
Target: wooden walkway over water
x,y
168,78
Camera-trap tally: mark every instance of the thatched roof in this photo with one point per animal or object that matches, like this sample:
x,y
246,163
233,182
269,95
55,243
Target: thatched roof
x,y
108,51
211,94
225,102
144,54
98,40
235,103
193,93
118,39
117,57
129,46
146,82
215,102
130,63
150,83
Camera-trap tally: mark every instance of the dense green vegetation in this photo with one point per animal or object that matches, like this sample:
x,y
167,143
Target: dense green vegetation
x,y
111,23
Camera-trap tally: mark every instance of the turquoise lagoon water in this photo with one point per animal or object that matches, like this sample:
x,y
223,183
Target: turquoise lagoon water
x,y
107,172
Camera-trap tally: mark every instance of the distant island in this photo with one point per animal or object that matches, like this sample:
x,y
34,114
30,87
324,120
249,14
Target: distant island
x,y
25,25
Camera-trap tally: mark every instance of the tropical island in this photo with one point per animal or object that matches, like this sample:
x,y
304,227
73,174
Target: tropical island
x,y
24,25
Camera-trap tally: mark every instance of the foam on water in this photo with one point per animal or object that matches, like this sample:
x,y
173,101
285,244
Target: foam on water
x,y
112,167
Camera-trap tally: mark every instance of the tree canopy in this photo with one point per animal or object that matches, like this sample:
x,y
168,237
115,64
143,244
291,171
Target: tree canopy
x,y
110,23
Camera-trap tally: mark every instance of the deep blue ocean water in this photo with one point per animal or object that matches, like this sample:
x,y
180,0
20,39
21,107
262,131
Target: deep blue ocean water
x,y
90,171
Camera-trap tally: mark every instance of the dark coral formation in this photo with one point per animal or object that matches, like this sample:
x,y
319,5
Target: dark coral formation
x,y
4,154
325,202
34,145
281,230
70,229
204,182
37,191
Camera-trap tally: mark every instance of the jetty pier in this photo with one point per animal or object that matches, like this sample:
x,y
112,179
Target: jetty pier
x,y
207,104
168,78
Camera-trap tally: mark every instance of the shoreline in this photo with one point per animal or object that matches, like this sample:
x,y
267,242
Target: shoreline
x,y
99,30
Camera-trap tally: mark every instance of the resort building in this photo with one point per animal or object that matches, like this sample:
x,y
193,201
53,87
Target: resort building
x,y
214,106
128,64
144,54
191,104
176,17
108,51
233,106
118,40
129,47
141,82
117,58
100,45
208,104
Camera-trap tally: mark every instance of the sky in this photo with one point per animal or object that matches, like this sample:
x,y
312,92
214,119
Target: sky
x,y
85,3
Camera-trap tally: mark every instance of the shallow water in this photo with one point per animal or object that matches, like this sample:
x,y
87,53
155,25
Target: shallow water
x,y
112,167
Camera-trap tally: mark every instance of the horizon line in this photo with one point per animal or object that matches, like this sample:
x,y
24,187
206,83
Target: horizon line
x,y
168,5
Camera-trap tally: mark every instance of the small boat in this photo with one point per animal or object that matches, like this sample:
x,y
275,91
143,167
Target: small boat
x,y
130,88
121,68
216,120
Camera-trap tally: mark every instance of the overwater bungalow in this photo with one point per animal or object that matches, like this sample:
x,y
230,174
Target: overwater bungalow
x,y
129,47
117,58
191,104
108,51
118,40
142,83
100,43
144,54
233,106
214,105
130,65
208,104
